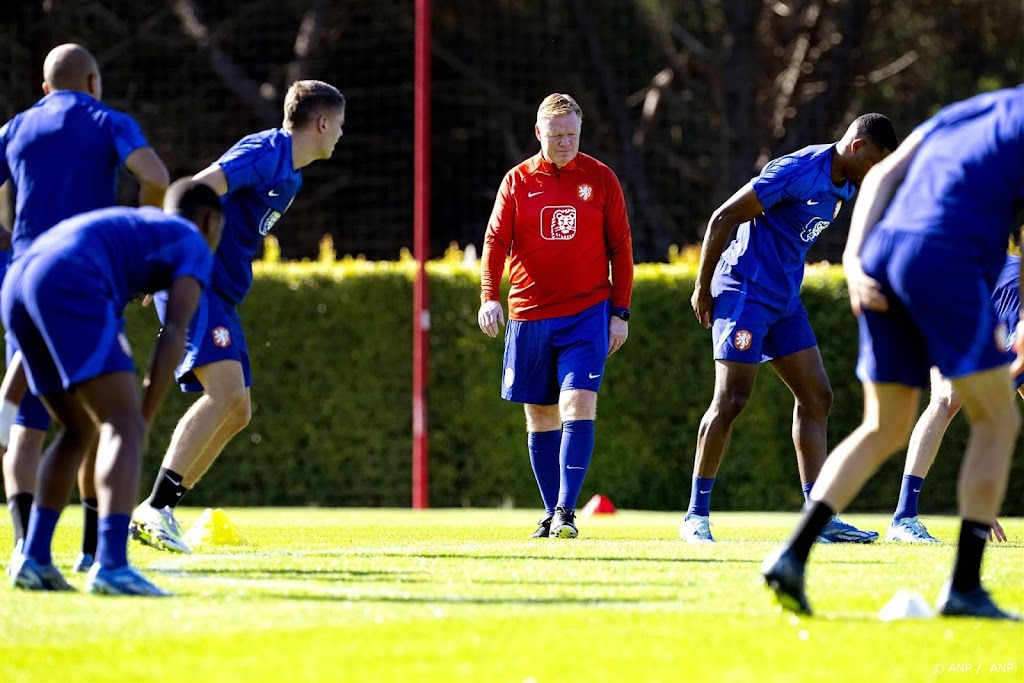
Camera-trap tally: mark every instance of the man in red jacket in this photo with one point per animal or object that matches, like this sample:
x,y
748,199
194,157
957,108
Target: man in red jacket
x,y
560,216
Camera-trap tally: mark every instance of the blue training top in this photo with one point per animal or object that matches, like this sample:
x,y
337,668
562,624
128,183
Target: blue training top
x,y
261,186
133,251
800,201
63,155
966,177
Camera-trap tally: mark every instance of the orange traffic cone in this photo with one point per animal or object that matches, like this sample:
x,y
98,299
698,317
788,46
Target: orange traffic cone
x,y
598,505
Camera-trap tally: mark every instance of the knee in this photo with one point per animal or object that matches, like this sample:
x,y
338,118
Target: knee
x,y
578,404
818,405
948,405
540,418
236,410
730,403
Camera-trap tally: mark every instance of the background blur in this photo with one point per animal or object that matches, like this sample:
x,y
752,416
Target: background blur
x,y
684,99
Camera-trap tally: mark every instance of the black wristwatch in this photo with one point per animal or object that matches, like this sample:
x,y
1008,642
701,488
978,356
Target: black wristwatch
x,y
621,313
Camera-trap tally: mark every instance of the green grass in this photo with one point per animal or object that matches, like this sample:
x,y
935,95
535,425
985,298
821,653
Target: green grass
x,y
461,595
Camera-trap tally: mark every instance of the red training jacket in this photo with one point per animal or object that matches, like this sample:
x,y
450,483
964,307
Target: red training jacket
x,y
561,228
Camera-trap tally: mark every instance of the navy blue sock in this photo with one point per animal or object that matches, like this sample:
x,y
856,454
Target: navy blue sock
x,y
700,496
807,491
910,492
574,459
41,523
112,548
89,525
544,458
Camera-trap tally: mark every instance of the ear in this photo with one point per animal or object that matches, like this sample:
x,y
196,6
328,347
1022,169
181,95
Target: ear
x,y
536,131
46,88
322,123
856,144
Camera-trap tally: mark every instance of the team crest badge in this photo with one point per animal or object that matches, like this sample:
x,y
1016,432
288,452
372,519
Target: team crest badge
x,y
585,191
839,207
221,337
558,222
742,340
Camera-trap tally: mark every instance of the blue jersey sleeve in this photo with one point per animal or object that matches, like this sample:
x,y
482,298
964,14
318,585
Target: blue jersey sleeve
x,y
5,170
250,163
780,179
188,256
128,136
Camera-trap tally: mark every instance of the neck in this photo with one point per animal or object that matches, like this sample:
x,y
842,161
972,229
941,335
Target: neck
x,y
302,153
838,166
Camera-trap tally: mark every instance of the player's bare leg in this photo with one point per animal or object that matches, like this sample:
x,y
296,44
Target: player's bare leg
x,y
889,412
113,402
943,405
199,437
804,374
90,511
223,411
20,463
734,382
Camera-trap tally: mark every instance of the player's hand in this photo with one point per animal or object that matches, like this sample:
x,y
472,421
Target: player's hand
x,y
865,292
147,300
1017,366
618,330
703,304
490,318
996,533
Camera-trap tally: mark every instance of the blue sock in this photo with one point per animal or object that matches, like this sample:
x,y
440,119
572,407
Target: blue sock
x,y
574,459
700,496
910,491
807,491
112,546
544,458
41,523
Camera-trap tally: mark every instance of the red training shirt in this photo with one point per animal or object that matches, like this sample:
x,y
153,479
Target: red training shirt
x,y
561,227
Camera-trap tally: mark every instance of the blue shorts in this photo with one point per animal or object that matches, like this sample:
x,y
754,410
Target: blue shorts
x,y
67,328
753,326
545,357
940,312
215,334
31,412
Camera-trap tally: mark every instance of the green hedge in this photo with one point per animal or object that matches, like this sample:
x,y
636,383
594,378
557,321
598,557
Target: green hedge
x,y
330,346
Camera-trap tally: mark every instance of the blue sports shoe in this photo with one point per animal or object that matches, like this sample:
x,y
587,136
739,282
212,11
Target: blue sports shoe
x,y
28,574
975,603
121,581
838,531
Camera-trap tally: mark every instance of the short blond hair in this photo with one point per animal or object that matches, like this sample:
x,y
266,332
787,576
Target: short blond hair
x,y
558,104
307,100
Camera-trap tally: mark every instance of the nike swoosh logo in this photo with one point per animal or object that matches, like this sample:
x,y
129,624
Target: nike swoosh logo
x,y
593,376
273,194
534,194
703,492
917,490
811,202
170,479
570,467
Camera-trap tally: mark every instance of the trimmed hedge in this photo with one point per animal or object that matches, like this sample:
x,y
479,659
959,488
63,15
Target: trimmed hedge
x,y
330,346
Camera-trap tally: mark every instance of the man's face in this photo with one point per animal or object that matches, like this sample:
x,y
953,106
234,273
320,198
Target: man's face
x,y
864,157
559,138
335,122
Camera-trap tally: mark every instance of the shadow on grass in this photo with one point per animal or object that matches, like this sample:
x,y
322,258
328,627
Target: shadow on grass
x,y
467,600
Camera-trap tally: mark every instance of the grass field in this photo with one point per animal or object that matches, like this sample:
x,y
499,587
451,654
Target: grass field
x,y
461,595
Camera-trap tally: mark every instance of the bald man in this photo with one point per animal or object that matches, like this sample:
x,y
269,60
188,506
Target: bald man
x,y
62,156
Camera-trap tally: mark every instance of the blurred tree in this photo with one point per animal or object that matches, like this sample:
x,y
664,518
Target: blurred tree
x,y
685,99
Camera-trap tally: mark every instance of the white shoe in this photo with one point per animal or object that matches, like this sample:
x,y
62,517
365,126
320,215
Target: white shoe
x,y
157,528
696,529
909,530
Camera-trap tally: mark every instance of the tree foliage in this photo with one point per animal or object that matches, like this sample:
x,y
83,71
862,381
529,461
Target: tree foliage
x,y
685,99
